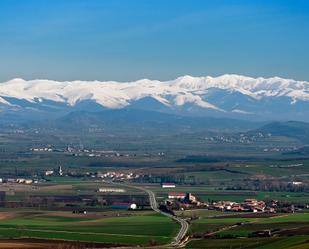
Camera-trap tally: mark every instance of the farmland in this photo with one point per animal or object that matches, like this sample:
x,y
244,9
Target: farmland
x,y
297,242
240,228
134,229
70,208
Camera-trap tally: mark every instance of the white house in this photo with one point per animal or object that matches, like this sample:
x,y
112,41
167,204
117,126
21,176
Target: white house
x,y
49,172
175,195
168,185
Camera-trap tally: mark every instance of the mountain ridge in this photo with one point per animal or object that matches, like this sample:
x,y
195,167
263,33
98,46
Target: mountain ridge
x,y
227,95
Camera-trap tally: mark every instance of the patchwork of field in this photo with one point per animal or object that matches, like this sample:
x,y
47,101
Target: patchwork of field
x,y
237,230
67,188
213,175
211,193
29,243
279,221
295,242
138,229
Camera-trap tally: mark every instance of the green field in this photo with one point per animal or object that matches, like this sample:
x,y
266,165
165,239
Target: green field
x,y
297,242
135,230
242,226
210,170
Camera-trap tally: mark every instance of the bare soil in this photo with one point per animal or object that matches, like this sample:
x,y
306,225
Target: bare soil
x,y
50,244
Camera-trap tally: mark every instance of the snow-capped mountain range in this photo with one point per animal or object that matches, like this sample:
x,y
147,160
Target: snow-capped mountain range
x,y
226,95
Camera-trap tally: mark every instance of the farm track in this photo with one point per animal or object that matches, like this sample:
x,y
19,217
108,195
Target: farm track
x,y
86,233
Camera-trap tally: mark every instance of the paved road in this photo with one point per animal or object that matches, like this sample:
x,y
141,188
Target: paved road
x,y
183,223
154,205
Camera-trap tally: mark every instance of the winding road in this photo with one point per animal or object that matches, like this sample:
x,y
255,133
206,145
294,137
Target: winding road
x,y
177,242
183,223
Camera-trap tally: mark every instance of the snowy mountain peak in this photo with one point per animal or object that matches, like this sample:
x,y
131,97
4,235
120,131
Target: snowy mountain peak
x,y
225,93
16,80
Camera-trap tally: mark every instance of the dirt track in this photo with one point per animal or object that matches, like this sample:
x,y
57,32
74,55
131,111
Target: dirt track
x,y
22,245
49,244
7,215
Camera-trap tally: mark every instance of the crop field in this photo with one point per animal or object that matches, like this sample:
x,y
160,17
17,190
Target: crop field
x,y
296,242
210,170
240,196
212,193
131,230
67,186
242,226
202,213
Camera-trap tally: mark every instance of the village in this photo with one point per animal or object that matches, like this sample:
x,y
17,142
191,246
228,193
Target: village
x,y
186,201
171,200
80,151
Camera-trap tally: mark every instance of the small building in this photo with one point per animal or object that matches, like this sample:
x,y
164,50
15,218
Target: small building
x,y
270,210
296,183
28,181
254,205
175,195
20,180
24,181
168,185
49,172
190,198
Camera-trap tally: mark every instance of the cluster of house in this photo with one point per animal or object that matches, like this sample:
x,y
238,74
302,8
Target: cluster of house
x,y
253,205
59,172
80,151
249,205
112,175
44,149
241,138
187,200
18,180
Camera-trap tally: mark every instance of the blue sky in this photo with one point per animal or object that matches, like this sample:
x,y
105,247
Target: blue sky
x,y
158,39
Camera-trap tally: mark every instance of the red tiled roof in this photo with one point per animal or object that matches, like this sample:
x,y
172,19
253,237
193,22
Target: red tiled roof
x,y
176,194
